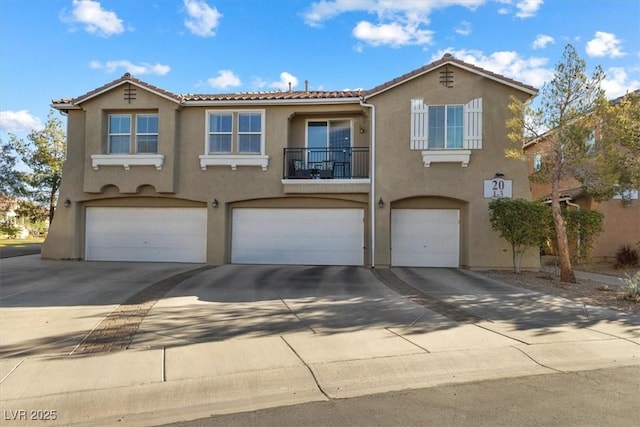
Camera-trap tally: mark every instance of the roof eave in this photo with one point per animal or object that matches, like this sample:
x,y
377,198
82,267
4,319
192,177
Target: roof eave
x,y
108,88
429,68
258,102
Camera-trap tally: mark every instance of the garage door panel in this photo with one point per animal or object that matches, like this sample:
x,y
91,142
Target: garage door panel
x,y
146,234
425,237
298,236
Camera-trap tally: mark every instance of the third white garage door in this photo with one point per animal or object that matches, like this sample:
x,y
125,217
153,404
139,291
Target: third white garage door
x,y
425,237
297,236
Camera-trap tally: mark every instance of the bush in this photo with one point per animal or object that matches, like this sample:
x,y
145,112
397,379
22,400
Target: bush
x,y
632,287
9,229
627,256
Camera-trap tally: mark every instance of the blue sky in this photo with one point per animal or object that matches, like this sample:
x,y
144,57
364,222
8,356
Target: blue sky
x,y
64,48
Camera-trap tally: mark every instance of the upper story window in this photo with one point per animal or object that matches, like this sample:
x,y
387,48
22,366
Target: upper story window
x,y
132,141
145,131
443,127
537,162
249,132
119,133
236,132
220,132
235,138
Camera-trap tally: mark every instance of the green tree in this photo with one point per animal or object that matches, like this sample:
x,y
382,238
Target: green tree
x,y
583,226
12,181
43,155
522,223
568,113
34,215
620,126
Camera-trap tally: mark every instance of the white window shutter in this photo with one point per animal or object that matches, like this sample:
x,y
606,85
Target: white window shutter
x,y
419,125
472,123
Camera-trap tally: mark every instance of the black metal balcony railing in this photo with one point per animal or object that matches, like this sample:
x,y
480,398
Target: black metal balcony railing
x,y
330,163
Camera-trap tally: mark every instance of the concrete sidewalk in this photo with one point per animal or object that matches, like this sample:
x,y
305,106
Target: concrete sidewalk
x,y
318,341
171,384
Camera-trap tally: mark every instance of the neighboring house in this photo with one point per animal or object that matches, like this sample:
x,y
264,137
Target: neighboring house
x,y
395,175
8,216
621,224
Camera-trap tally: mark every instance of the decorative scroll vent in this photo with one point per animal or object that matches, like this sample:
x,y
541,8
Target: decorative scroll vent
x,y
446,77
129,94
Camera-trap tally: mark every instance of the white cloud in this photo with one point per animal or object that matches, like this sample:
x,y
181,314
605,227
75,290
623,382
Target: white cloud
x,y
528,8
19,121
604,44
531,71
617,83
524,8
283,83
95,19
203,19
392,34
398,22
128,66
463,28
225,79
541,41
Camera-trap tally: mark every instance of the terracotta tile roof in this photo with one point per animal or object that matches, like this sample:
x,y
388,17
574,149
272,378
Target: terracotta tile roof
x,y
449,59
273,95
293,95
126,78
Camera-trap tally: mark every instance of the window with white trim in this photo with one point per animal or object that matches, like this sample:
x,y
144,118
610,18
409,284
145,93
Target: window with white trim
x,y
446,133
145,131
249,132
444,127
235,132
220,132
119,133
235,138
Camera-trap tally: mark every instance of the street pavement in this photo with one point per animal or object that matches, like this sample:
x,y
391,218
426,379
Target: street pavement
x,y
194,340
574,399
20,249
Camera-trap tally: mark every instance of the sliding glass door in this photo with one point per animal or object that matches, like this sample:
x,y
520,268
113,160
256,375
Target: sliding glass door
x,y
330,141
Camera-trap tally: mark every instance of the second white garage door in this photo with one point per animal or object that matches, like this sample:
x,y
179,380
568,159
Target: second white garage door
x,y
425,237
146,234
298,236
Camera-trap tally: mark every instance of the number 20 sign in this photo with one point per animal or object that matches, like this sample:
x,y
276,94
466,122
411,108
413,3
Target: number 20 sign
x,y
497,188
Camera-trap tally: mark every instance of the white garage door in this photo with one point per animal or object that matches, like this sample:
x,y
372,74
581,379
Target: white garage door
x,y
425,237
298,236
146,234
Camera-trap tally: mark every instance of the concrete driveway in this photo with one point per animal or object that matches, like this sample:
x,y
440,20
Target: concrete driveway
x,y
50,307
204,340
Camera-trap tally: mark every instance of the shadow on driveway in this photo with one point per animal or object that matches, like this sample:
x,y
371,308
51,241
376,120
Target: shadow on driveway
x,y
110,306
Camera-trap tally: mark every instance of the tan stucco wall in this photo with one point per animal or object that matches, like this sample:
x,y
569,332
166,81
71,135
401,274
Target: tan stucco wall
x,y
621,227
401,174
401,180
182,182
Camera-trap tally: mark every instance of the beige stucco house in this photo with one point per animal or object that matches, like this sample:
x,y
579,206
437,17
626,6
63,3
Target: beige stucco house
x,y
401,174
621,222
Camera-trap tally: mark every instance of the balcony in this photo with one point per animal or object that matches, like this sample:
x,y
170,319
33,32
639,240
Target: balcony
x,y
334,170
330,163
